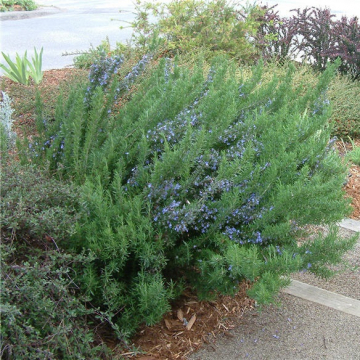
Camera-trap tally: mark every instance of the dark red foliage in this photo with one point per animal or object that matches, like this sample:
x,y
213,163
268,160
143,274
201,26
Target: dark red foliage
x,y
314,34
316,38
276,35
346,33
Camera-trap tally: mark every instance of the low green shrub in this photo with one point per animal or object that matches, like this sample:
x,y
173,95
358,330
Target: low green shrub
x,y
354,154
41,318
344,97
34,205
195,175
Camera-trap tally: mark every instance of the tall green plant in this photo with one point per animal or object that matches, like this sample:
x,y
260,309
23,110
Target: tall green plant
x,y
344,98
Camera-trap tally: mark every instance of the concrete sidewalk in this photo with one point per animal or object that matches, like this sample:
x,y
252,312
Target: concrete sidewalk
x,y
317,319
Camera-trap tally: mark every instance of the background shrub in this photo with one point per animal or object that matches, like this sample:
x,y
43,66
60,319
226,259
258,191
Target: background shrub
x,y
344,98
315,27
195,175
347,39
316,36
342,94
215,27
276,36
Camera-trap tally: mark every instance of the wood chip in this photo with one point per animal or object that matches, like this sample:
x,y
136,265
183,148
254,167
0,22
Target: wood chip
x,y
167,324
191,302
225,307
223,326
177,334
191,322
180,315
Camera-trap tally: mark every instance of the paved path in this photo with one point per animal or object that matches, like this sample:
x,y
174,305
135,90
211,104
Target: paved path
x,y
312,323
298,330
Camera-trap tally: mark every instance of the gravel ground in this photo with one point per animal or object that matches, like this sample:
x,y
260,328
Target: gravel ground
x,y
298,329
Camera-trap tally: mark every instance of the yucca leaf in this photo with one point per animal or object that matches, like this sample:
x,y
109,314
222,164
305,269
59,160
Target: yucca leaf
x,y
12,65
35,67
8,74
18,70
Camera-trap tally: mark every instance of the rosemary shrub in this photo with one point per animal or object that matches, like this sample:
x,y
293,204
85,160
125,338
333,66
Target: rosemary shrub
x,y
196,176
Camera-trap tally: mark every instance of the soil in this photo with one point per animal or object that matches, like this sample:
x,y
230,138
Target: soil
x,y
191,322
